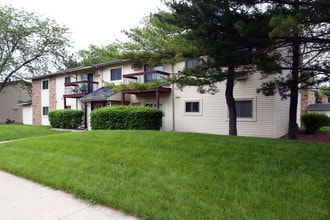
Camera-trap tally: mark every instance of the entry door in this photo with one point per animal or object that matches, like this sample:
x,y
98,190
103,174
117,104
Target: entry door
x,y
96,105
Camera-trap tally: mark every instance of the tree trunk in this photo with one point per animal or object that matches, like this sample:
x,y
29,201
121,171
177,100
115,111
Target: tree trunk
x,y
293,130
231,101
296,57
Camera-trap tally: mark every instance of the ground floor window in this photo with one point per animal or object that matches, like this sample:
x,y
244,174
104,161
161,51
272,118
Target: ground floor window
x,y
45,110
153,105
246,109
193,107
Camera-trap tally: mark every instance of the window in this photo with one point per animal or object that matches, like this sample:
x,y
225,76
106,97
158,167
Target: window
x,y
45,110
244,108
192,107
67,79
192,63
153,105
115,74
45,84
154,76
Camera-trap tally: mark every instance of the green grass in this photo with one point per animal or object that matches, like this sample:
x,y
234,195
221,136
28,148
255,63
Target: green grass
x,y
326,128
18,131
172,175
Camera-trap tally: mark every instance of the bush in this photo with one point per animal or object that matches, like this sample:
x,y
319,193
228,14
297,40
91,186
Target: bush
x,y
66,118
314,121
126,117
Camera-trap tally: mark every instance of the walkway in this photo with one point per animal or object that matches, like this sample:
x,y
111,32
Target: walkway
x,y
23,199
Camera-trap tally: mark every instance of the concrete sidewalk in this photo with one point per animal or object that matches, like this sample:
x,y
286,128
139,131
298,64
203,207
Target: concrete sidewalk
x,y
23,199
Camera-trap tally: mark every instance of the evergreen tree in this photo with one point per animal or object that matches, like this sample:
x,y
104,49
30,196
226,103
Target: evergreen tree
x,y
303,26
233,35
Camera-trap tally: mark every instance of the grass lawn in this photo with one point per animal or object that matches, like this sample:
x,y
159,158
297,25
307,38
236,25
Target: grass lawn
x,y
172,175
18,131
326,128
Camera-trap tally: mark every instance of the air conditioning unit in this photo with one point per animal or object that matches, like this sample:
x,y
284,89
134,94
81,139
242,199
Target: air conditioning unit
x,y
136,66
241,76
97,73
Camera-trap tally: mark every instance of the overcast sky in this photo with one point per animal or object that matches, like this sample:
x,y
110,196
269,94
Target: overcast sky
x,y
98,22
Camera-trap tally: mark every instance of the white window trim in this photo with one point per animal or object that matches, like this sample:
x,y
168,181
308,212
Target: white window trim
x,y
193,113
42,85
254,109
42,111
122,73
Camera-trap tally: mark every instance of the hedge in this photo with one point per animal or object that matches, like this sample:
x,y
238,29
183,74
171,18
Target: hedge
x,y
314,121
66,118
126,118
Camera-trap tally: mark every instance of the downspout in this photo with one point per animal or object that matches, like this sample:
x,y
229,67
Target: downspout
x,y
85,115
173,107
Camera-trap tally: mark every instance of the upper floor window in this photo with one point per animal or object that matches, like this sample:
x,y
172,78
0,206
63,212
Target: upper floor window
x,y
152,76
45,84
192,63
67,79
115,74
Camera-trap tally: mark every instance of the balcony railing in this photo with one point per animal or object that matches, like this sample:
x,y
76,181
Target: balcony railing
x,y
144,77
79,89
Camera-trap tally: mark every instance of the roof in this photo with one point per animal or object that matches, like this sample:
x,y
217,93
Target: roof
x,y
101,94
24,103
81,68
319,107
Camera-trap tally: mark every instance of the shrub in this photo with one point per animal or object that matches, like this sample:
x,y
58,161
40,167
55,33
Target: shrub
x,y
66,118
126,117
314,121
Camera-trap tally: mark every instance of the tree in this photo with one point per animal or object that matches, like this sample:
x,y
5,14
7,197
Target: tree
x,y
28,45
325,91
303,26
158,42
95,54
233,35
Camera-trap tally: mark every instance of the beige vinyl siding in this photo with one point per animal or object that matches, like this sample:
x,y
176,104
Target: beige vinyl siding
x,y
263,123
281,116
60,91
214,117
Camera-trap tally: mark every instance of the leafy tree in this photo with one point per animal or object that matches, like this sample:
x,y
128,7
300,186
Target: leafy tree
x,y
303,26
325,91
99,54
29,46
71,61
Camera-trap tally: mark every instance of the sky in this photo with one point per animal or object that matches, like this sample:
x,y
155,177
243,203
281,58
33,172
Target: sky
x,y
97,22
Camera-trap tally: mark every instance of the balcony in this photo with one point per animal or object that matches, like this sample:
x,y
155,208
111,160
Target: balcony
x,y
145,77
79,89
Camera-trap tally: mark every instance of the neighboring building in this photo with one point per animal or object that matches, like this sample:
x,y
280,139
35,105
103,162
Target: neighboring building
x,y
320,109
312,102
10,97
187,110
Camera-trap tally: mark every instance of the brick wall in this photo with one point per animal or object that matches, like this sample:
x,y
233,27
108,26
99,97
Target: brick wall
x,y
52,94
36,101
